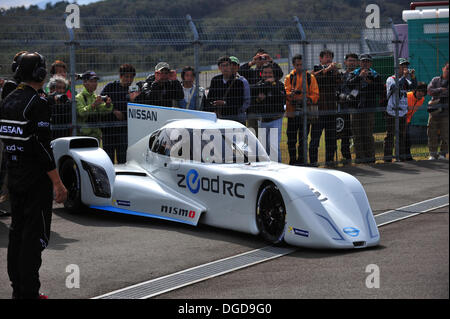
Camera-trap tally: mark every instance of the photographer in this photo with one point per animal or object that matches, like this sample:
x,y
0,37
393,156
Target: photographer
x,y
293,85
347,99
407,81
33,179
268,98
115,138
162,89
91,106
254,75
61,107
59,68
438,109
328,79
368,85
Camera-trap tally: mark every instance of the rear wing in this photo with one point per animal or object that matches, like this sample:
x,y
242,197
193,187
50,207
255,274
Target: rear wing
x,y
145,119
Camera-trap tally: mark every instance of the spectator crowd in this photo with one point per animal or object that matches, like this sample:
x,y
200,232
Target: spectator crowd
x,y
340,100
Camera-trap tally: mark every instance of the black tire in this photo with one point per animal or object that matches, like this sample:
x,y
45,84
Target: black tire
x,y
70,176
270,213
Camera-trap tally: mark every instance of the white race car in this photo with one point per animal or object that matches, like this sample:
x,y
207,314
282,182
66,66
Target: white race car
x,y
190,167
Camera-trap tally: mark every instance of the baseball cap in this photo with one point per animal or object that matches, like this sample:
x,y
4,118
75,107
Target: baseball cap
x,y
88,75
234,60
363,57
162,65
403,61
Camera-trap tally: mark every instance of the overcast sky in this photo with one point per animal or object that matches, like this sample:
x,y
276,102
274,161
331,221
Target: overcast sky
x,y
41,3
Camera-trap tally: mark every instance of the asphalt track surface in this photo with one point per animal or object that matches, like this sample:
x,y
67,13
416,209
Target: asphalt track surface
x,y
114,251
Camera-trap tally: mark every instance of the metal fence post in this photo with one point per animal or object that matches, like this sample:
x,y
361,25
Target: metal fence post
x,y
196,44
72,44
396,42
304,43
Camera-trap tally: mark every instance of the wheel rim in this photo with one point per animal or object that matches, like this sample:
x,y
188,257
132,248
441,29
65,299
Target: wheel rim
x,y
271,214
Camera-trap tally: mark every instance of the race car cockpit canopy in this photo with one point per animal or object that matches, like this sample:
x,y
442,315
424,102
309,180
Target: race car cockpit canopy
x,y
220,146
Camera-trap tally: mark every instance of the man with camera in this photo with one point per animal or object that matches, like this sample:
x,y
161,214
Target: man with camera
x,y
268,98
347,99
328,79
61,106
163,88
438,109
254,75
59,68
293,85
91,106
252,71
115,138
33,180
367,85
406,82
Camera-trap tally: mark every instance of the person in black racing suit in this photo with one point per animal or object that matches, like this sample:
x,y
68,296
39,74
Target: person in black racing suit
x,y
33,178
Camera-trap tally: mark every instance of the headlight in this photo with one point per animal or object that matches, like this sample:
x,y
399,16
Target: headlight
x,y
99,179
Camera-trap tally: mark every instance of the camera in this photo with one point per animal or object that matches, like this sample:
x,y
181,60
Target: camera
x,y
61,98
350,97
133,88
104,97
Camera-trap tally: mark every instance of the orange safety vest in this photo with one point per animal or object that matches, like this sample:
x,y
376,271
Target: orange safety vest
x,y
413,105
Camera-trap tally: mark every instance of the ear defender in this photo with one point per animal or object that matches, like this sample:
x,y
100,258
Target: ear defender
x,y
39,72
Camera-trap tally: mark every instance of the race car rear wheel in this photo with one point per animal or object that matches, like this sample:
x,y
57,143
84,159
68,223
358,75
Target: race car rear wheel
x,y
270,213
70,176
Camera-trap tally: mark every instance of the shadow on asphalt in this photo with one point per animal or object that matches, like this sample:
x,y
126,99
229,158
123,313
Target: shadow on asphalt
x,y
100,218
410,167
310,253
57,242
4,231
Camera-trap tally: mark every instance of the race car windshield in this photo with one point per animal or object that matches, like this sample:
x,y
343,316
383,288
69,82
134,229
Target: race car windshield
x,y
220,146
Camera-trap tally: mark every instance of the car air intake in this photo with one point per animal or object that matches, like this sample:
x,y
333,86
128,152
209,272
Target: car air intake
x,y
83,143
359,243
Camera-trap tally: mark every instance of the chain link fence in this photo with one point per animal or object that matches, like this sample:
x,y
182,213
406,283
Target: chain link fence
x,y
339,128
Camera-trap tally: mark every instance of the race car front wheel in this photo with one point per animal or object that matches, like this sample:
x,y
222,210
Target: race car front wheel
x,y
70,176
270,213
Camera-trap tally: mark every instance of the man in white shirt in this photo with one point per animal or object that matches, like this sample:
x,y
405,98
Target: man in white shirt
x,y
191,100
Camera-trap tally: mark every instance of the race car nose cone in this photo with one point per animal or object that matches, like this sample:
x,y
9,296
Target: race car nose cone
x,y
351,231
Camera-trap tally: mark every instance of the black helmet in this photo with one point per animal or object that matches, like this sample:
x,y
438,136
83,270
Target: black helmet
x,y
31,67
